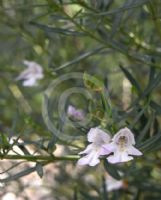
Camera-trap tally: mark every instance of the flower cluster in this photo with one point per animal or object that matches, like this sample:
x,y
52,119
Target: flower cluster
x,y
120,147
30,75
113,184
75,113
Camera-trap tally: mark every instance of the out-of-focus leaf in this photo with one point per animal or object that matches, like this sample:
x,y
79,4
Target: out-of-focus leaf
x,y
111,169
138,117
39,169
87,196
75,194
62,31
104,190
152,71
117,20
92,82
156,107
51,145
18,175
131,79
143,133
154,83
23,149
106,102
4,144
123,8
79,58
151,143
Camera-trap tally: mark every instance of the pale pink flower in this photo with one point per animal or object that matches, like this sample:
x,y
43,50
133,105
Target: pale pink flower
x,y
122,146
30,75
76,114
97,137
113,184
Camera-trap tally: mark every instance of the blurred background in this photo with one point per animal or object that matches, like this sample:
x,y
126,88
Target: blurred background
x,y
112,43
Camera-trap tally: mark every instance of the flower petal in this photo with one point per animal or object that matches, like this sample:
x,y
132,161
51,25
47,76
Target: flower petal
x,y
124,132
119,157
33,66
88,149
94,160
107,148
113,184
134,151
75,113
97,135
29,82
90,159
71,110
92,134
103,151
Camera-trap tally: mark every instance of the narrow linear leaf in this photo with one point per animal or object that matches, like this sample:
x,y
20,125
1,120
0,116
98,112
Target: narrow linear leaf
x,y
51,145
156,107
151,143
152,71
131,79
118,19
152,86
122,8
21,174
18,175
144,132
79,58
92,82
75,194
57,30
111,169
39,169
104,189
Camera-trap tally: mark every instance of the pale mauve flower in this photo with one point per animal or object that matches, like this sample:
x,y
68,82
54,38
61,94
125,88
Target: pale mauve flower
x,y
97,137
9,196
122,146
30,75
113,184
76,114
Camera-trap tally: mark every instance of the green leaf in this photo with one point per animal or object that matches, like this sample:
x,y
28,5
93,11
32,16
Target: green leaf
x,y
23,149
62,31
104,189
80,58
39,169
86,196
131,79
152,71
145,131
154,83
156,107
151,143
18,175
117,20
51,145
106,102
111,169
122,8
92,82
4,144
75,194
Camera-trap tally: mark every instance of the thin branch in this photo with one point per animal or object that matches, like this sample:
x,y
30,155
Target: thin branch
x,y
39,158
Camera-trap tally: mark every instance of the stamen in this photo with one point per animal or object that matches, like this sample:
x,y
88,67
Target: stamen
x,y
122,143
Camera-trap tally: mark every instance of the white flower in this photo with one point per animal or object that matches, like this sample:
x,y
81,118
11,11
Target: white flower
x,y
122,146
113,184
97,137
30,75
75,113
